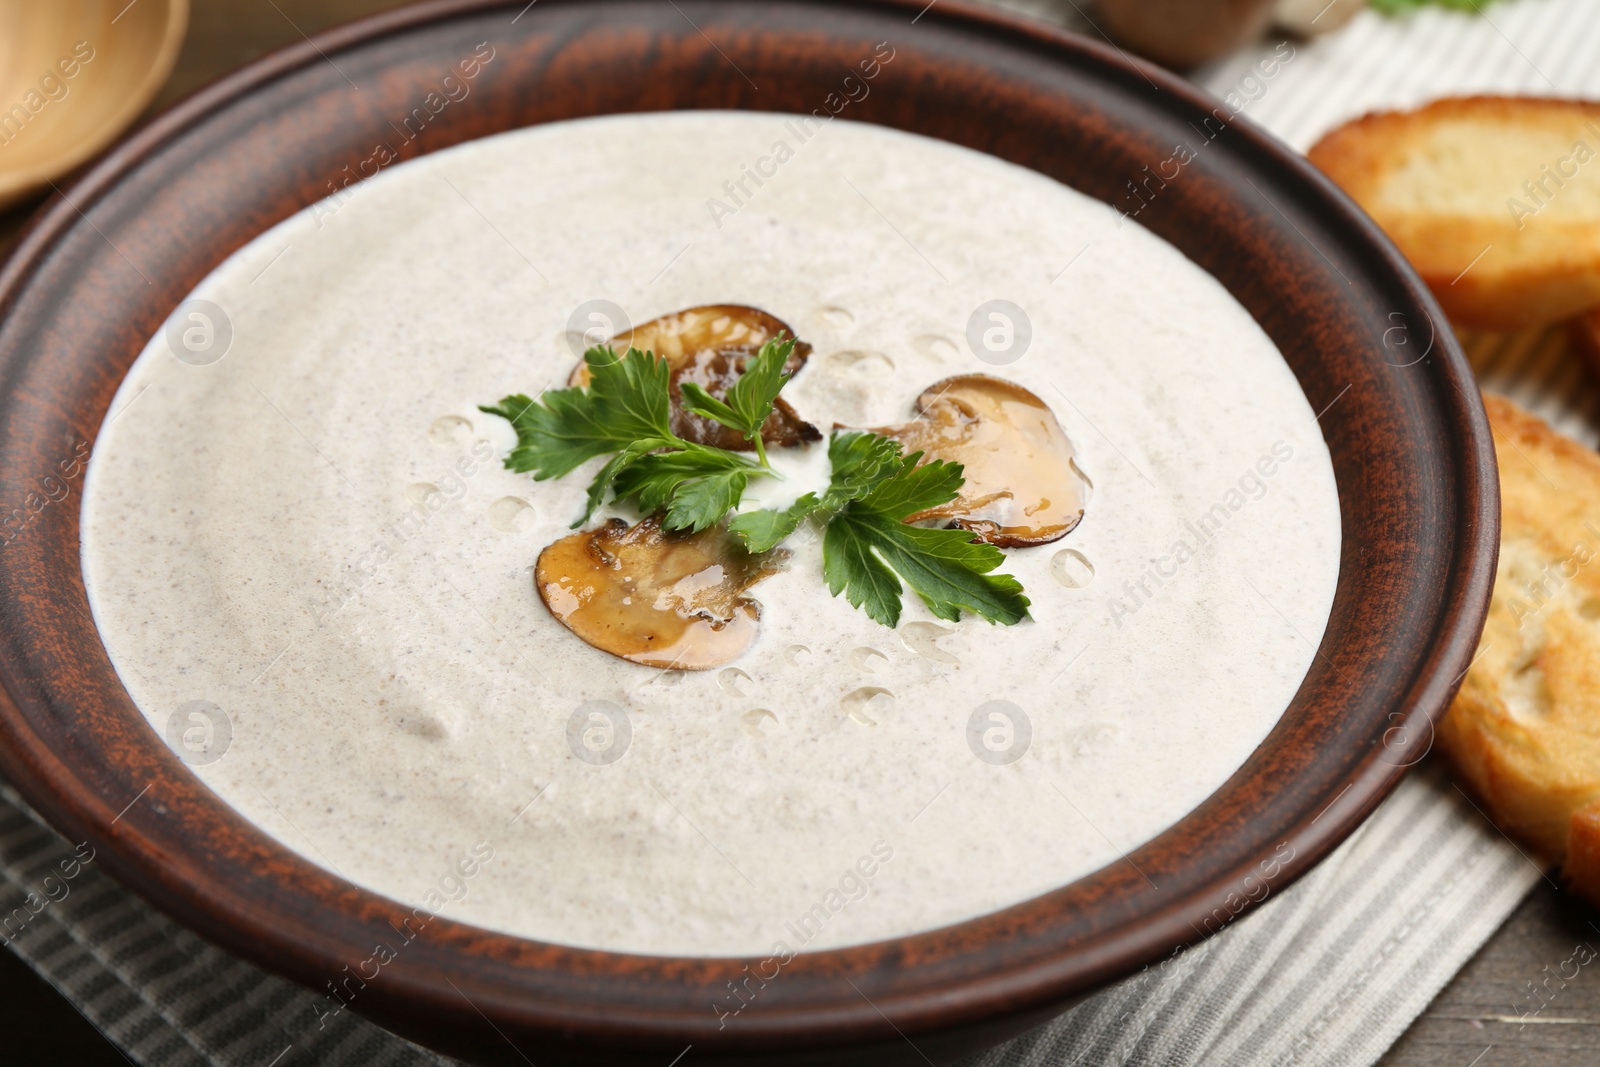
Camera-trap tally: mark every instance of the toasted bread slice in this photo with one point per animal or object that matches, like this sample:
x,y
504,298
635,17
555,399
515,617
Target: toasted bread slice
x,y
1494,200
1584,334
1525,729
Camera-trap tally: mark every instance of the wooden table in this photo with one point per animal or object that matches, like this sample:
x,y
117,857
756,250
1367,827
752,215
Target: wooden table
x,y
1473,1023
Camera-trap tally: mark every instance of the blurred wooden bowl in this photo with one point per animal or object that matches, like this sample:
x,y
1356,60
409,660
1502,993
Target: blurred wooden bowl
x,y
73,76
1183,34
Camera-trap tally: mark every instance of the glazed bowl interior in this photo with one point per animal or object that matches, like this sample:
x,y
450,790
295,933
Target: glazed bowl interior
x,y
95,278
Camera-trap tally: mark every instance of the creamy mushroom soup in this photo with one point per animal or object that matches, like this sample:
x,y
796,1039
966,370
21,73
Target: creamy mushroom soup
x,y
316,578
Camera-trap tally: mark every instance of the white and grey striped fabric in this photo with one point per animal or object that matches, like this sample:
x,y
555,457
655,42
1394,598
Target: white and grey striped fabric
x,y
164,996
1328,973
1331,972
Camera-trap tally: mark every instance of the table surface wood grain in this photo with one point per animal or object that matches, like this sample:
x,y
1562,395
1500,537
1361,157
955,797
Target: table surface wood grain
x,y
1483,1018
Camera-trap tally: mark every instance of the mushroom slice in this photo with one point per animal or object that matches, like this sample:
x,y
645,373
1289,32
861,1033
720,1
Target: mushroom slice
x,y
1021,486
656,597
709,346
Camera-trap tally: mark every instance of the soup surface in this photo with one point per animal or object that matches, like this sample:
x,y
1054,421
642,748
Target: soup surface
x,y
315,578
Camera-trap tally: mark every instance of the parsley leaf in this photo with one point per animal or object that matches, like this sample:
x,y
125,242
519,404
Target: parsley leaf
x,y
748,402
867,545
703,501
867,549
857,460
762,530
614,468
696,486
626,410
624,406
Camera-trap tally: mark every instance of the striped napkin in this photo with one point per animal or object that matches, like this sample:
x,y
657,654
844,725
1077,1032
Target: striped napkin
x,y
1329,972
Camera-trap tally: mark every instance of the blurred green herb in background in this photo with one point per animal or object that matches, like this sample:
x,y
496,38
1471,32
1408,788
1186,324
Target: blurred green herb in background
x,y
1400,7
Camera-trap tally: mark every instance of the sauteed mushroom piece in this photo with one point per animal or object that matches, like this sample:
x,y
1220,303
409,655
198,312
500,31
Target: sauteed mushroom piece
x,y
1021,485
656,597
708,346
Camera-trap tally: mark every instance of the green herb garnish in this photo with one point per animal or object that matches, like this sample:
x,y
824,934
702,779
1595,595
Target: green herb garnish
x,y
626,412
868,550
858,460
750,399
